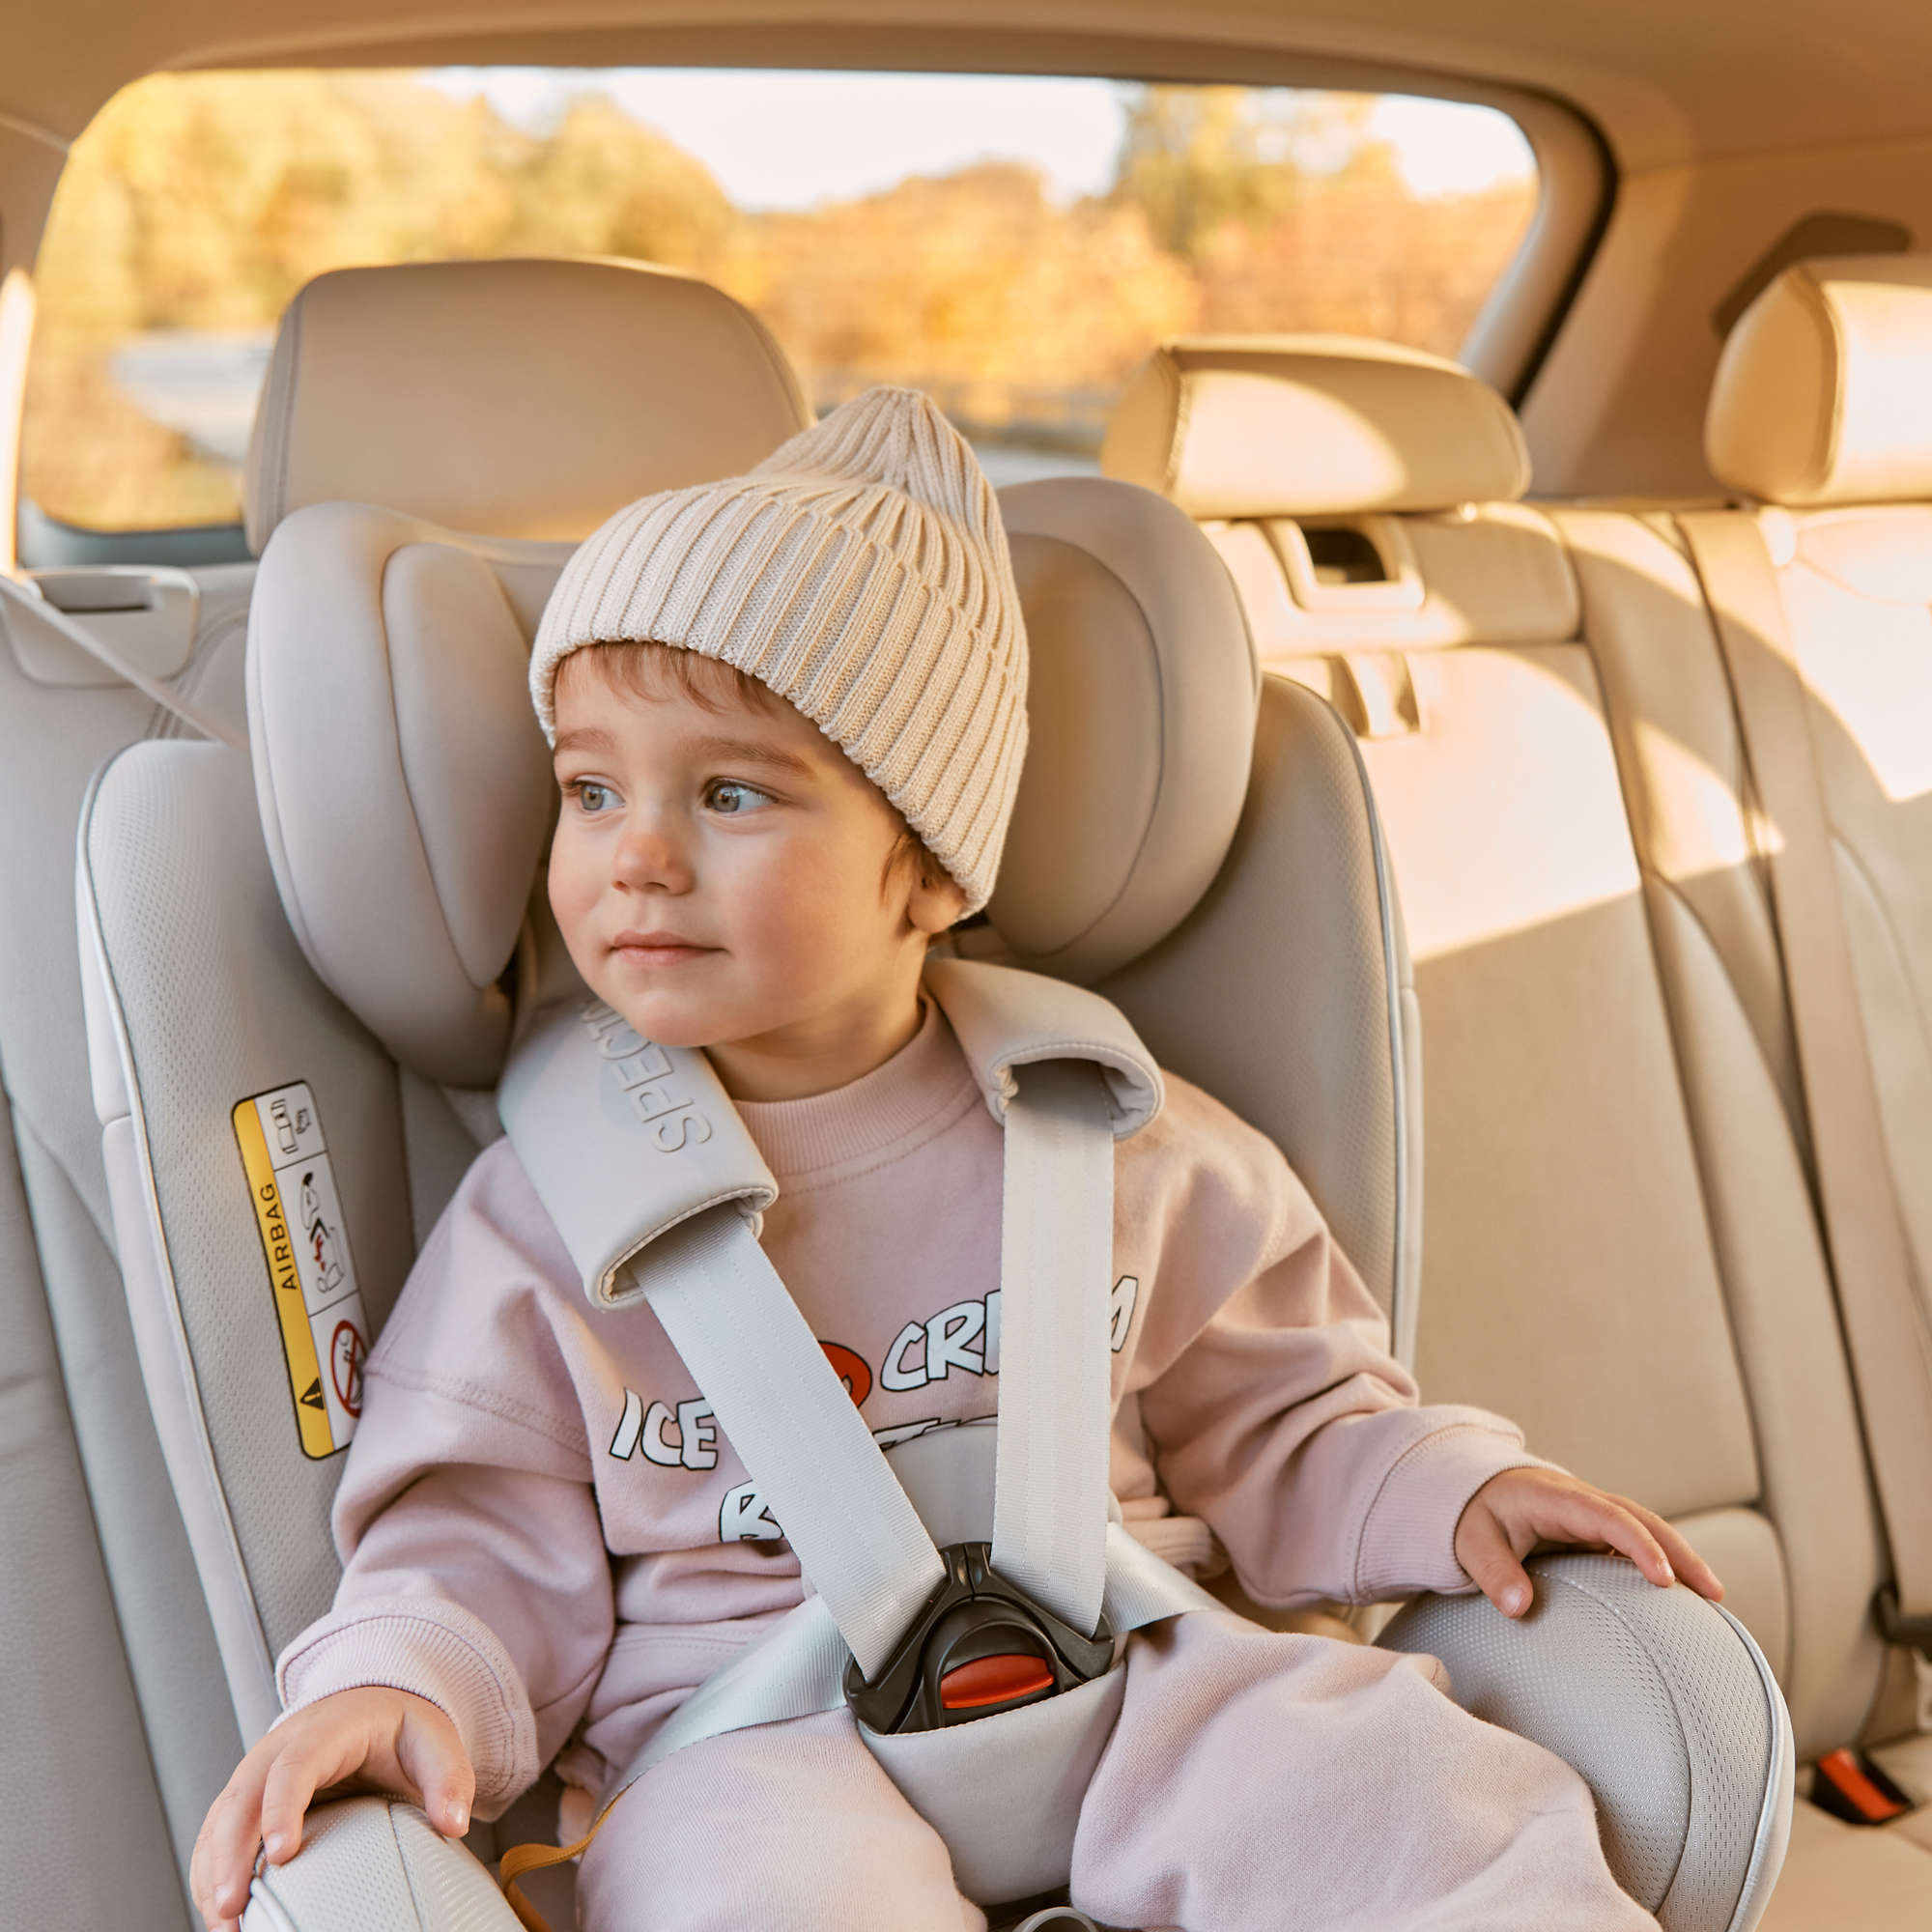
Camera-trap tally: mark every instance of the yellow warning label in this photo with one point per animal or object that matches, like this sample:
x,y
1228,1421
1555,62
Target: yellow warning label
x,y
325,1335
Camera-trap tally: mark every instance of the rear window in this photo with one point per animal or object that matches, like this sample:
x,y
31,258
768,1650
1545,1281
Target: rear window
x,y
1013,245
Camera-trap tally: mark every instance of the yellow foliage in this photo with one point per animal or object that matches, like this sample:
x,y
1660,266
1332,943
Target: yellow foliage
x,y
205,201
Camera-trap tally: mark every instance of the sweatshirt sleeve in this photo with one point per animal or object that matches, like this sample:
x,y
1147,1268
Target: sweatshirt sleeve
x,y
1272,1408
474,1570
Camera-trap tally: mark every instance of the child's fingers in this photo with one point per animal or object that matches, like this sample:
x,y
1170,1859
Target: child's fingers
x,y
225,1857
1588,1515
305,1764
1691,1568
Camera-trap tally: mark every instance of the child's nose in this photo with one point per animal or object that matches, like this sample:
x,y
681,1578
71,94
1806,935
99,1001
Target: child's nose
x,y
650,858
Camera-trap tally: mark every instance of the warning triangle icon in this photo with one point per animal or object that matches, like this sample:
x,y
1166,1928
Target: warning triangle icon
x,y
312,1395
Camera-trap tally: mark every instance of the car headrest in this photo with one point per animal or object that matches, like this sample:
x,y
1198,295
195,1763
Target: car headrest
x,y
1312,425
522,399
1824,391
406,794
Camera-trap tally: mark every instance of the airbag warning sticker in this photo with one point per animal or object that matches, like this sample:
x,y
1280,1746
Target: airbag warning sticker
x,y
324,1333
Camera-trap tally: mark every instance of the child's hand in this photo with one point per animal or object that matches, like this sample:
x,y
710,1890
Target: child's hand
x,y
1515,1513
384,1740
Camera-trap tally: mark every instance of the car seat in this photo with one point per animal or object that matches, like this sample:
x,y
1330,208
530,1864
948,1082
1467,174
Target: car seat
x,y
354,926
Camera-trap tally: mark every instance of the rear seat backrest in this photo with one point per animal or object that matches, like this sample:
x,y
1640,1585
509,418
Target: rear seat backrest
x,y
1822,413
1571,1267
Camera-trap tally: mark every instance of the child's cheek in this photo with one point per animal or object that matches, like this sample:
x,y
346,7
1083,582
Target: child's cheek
x,y
573,885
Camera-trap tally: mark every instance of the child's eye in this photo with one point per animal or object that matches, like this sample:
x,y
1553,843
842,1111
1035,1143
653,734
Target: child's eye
x,y
735,798
592,797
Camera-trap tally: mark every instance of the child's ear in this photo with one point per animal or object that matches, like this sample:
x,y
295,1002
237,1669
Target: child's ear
x,y
937,900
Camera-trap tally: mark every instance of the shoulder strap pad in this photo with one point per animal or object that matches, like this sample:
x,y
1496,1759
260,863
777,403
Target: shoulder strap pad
x,y
623,1138
1004,1019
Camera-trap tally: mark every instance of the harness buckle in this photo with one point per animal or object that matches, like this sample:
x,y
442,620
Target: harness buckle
x,y
978,1647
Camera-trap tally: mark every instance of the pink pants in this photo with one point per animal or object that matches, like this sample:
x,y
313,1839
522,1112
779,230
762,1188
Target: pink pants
x,y
1254,1784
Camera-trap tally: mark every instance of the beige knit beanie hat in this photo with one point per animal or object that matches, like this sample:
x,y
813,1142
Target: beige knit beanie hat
x,y
861,572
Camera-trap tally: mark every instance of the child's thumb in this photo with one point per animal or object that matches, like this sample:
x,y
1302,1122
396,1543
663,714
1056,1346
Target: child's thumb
x,y
440,1768
1491,1564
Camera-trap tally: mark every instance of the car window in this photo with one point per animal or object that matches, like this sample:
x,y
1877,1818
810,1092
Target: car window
x,y
1013,245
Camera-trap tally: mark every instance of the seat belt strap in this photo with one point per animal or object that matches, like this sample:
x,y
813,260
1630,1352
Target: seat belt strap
x,y
104,654
1882,1313
795,1427
1056,1268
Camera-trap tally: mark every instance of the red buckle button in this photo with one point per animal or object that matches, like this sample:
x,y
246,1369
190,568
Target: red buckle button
x,y
994,1680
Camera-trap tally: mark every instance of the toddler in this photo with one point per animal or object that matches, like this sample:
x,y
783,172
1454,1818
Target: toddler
x,y
788,715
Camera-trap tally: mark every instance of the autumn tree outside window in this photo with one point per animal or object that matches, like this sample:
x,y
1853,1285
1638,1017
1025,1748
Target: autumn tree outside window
x,y
196,204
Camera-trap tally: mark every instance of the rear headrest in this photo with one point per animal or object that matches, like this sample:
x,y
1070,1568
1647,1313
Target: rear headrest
x,y
514,399
1824,391
406,793
1312,425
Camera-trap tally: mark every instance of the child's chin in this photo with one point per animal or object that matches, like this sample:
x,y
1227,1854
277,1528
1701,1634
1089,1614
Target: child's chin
x,y
670,1022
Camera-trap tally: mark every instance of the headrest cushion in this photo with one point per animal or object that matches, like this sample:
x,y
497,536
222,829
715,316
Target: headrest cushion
x,y
514,399
1141,713
406,867
404,785
1312,425
1824,391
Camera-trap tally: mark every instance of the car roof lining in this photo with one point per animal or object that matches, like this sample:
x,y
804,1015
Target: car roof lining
x,y
1667,84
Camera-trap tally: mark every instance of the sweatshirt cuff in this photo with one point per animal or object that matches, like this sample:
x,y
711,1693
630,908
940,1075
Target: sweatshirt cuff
x,y
1408,1540
442,1653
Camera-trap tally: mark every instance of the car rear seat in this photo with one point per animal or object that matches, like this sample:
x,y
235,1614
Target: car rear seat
x,y
111,1700
1618,1242
114,1697
1821,419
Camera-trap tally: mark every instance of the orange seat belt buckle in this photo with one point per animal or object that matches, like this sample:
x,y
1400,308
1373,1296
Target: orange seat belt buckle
x,y
1850,1786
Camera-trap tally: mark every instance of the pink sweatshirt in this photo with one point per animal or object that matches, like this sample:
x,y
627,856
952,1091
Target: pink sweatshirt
x,y
543,1527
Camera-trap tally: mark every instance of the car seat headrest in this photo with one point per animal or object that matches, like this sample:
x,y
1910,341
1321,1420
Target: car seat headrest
x,y
404,784
405,789
1312,425
1824,391
524,399
1141,708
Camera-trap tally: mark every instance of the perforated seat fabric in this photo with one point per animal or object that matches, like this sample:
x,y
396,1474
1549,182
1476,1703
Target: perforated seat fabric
x,y
1693,1780
374,1861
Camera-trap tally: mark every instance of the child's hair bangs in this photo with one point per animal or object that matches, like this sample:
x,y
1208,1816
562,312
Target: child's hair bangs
x,y
648,668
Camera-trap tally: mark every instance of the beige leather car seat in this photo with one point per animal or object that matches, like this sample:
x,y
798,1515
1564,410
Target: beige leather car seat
x,y
1619,1243
1817,719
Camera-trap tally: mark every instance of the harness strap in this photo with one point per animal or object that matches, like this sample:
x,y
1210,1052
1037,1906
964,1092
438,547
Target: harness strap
x,y
788,1416
104,654
1056,1256
798,1670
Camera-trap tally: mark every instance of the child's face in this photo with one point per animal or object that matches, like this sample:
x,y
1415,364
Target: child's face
x,y
722,874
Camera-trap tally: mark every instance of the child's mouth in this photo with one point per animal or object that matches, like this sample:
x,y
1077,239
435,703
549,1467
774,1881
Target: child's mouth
x,y
658,948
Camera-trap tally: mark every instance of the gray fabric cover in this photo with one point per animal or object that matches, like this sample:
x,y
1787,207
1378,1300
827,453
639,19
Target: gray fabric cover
x,y
213,1002
1692,1769
379,1866
1281,992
